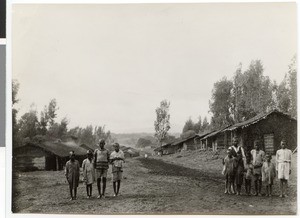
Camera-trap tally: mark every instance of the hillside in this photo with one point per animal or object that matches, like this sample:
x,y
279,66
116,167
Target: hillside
x,y
130,139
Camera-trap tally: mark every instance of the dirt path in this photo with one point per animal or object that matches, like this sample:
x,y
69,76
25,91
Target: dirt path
x,y
151,186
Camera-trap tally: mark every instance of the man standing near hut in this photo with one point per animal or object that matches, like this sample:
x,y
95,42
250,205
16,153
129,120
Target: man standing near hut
x,y
257,161
239,154
283,166
101,160
117,158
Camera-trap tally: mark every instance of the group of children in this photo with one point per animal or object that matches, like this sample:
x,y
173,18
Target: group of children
x,y
95,168
256,167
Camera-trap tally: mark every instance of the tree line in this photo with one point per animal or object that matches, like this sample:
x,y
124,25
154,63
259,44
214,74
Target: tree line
x,y
44,125
246,95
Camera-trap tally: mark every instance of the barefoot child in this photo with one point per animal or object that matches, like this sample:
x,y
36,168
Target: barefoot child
x,y
101,161
248,175
88,173
268,174
72,174
117,158
230,164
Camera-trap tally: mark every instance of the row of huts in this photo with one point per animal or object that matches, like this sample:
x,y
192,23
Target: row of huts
x,y
53,154
270,128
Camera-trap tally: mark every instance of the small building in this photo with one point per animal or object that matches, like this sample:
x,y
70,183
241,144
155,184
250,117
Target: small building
x,y
47,155
213,140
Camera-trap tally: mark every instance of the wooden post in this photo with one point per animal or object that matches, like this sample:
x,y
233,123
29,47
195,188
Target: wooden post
x,y
206,144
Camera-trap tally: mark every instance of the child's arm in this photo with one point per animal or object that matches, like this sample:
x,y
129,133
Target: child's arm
x,y
66,170
95,158
290,161
276,160
83,170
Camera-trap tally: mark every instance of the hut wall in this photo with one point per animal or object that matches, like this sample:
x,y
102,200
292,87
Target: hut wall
x,y
29,158
276,125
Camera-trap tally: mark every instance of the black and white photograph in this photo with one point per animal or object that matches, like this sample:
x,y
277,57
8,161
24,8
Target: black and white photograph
x,y
154,109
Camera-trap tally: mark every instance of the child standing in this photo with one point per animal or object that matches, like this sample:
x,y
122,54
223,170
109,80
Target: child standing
x,y
229,168
248,175
72,174
117,159
268,174
88,172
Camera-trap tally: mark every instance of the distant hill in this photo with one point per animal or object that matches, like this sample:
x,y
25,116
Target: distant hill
x,y
130,139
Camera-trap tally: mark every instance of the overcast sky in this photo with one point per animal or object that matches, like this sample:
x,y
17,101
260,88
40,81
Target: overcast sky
x,y
113,64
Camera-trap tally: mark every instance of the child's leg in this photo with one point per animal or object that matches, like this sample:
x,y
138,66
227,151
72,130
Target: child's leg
x,y
267,190
226,184
71,191
118,187
115,189
270,190
259,185
104,185
248,191
256,184
91,189
75,192
281,187
233,187
99,186
87,190
238,189
284,187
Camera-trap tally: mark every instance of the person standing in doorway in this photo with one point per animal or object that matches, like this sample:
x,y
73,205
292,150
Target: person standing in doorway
x,y
101,161
283,166
258,156
117,159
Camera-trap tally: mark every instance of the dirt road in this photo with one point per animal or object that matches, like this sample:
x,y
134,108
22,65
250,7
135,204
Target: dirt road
x,y
151,186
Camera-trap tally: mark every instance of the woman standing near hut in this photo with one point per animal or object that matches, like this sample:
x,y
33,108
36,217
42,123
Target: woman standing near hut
x,y
283,166
88,173
72,174
239,154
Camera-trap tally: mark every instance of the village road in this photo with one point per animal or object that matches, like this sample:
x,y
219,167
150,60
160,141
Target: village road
x,y
150,186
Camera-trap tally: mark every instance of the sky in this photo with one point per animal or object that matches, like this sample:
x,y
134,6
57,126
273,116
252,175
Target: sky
x,y
112,64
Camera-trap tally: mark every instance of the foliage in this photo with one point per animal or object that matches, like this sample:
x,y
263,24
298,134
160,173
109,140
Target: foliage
x,y
189,125
220,105
162,122
247,95
187,134
142,143
15,90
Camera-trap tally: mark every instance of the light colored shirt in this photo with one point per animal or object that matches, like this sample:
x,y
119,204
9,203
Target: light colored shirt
x,y
114,155
257,157
88,170
283,156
